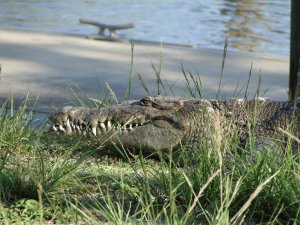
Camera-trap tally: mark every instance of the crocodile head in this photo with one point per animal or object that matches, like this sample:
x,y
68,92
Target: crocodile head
x,y
151,123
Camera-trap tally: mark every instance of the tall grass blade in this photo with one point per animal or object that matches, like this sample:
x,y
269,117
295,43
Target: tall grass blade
x,y
197,83
288,134
76,92
248,81
143,83
157,72
187,82
111,92
131,72
222,69
258,85
236,219
197,197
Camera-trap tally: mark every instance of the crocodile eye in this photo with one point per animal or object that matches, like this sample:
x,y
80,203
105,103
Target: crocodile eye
x,y
145,102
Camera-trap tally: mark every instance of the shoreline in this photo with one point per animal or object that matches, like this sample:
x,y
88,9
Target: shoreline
x,y
149,42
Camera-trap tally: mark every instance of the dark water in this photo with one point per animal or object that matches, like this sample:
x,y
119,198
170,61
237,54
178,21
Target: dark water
x,y
260,26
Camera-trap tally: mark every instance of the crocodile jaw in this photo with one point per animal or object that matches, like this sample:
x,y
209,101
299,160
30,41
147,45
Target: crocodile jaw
x,y
134,126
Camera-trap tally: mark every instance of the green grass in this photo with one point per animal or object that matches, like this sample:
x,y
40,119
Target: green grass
x,y
69,180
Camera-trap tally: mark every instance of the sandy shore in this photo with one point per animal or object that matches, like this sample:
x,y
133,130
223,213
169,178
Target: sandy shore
x,y
46,64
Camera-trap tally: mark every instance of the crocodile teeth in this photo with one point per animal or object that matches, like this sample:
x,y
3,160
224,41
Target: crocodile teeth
x,y
60,127
78,127
102,125
68,123
68,126
124,126
128,127
94,131
72,125
109,125
54,128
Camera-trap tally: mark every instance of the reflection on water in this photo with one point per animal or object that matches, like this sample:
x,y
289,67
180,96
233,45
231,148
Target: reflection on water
x,y
250,25
243,17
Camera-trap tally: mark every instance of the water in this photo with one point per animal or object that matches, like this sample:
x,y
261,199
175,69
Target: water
x,y
260,26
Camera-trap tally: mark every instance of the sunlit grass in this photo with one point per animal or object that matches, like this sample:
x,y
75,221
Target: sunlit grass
x,y
66,182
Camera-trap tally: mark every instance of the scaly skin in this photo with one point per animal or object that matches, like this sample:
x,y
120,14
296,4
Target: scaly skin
x,y
165,123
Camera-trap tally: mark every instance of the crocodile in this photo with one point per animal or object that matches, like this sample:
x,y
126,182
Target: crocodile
x,y
165,123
